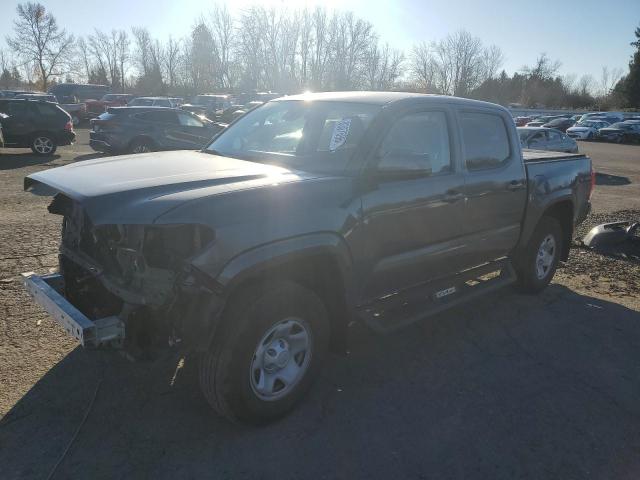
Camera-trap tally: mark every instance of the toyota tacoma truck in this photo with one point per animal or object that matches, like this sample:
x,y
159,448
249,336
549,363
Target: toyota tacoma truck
x,y
305,215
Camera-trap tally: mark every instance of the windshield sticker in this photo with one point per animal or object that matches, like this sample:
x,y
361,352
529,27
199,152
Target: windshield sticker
x,y
340,133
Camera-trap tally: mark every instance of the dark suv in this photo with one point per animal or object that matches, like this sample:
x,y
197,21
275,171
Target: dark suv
x,y
41,126
145,129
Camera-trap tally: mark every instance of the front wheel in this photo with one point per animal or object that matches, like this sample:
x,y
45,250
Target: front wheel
x,y
272,344
537,264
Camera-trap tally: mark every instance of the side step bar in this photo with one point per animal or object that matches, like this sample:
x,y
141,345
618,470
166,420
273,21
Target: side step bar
x,y
404,308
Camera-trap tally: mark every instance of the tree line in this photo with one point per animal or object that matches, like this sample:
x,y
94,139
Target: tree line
x,y
286,51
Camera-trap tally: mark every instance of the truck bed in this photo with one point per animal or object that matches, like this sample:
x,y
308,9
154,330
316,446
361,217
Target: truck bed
x,y
530,156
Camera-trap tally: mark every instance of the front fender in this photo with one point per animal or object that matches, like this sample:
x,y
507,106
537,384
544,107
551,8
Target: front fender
x,y
257,260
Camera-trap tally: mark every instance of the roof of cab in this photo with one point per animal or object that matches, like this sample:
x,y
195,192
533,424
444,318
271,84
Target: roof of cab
x,y
383,98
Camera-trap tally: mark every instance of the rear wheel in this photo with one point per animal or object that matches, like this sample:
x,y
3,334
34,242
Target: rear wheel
x,y
141,145
43,145
537,264
272,345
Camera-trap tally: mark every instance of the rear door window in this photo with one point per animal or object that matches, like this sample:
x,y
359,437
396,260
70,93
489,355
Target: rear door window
x,y
43,109
485,140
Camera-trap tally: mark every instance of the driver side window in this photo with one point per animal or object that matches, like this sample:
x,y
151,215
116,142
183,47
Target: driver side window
x,y
418,141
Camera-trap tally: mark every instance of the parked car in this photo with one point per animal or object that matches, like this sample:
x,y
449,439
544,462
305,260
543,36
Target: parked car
x,y
620,132
36,96
540,121
586,130
74,107
522,121
208,105
151,102
260,249
81,91
96,107
541,138
146,129
611,117
13,93
560,124
41,126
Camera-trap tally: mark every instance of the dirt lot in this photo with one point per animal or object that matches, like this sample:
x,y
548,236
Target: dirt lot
x,y
512,386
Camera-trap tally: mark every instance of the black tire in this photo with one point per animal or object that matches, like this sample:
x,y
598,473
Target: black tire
x,y
225,369
141,145
43,144
529,276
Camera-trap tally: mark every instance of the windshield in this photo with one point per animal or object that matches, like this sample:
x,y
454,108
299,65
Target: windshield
x,y
309,135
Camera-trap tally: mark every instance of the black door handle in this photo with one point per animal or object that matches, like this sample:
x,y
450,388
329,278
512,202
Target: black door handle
x,y
515,185
452,196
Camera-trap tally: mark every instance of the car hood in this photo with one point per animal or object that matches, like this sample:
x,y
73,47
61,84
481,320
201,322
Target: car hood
x,y
140,188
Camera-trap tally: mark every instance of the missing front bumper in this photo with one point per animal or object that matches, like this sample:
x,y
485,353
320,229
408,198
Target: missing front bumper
x,y
47,291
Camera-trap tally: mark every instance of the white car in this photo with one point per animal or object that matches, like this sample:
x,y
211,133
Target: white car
x,y
586,130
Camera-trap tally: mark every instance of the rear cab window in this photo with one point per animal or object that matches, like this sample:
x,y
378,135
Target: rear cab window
x,y
485,140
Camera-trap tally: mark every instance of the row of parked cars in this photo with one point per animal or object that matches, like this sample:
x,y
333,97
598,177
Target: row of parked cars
x,y
605,126
120,123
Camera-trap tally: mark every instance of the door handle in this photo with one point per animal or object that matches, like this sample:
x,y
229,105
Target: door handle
x,y
515,185
452,196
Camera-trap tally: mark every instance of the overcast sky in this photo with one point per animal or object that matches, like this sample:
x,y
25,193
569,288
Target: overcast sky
x,y
584,35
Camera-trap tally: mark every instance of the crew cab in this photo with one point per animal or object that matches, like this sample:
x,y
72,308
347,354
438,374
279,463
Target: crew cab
x,y
306,214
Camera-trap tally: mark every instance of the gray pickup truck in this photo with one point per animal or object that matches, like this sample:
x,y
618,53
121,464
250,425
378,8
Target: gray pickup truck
x,y
306,214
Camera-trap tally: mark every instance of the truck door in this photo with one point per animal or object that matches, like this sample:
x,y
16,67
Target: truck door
x,y
412,216
16,128
495,184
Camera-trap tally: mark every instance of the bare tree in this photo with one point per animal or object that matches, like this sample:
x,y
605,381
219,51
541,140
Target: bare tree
x,y
171,60
543,69
609,79
424,67
585,85
39,40
222,30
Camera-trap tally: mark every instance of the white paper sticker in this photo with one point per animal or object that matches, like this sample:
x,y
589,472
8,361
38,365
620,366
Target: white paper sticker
x,y
340,133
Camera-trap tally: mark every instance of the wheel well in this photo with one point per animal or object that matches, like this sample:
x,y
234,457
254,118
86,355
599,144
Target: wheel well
x,y
141,137
563,213
319,273
49,134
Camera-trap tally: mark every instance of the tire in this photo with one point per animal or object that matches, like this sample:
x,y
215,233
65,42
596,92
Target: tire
x,y
237,372
537,264
43,144
141,145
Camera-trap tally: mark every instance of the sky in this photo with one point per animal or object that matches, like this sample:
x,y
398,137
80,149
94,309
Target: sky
x,y
583,35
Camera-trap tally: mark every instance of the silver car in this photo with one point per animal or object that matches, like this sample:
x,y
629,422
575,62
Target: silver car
x,y
586,130
540,138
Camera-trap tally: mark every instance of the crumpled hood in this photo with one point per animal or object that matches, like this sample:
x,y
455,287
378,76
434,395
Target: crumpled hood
x,y
140,188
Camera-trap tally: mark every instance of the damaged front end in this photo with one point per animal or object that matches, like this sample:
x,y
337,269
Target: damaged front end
x,y
127,285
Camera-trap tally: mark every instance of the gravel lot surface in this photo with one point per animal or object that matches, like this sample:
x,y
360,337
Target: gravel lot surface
x,y
511,386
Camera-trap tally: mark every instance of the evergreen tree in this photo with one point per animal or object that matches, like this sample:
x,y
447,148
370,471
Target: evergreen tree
x,y
628,88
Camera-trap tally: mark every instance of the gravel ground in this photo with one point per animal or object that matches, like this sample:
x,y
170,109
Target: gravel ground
x,y
510,386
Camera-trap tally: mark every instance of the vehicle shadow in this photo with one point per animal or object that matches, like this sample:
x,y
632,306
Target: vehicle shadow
x,y
510,386
11,161
612,180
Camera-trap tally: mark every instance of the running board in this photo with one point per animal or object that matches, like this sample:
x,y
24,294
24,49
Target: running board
x,y
400,309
